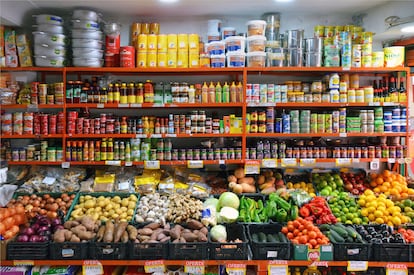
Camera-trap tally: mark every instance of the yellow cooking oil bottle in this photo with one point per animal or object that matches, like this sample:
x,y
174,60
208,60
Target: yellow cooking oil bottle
x,y
312,270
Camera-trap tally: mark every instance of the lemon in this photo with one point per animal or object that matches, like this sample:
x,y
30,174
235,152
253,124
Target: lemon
x,y
364,212
377,213
379,220
361,202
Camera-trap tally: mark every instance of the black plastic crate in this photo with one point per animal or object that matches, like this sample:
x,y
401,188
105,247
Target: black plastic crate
x,y
189,251
392,252
108,251
148,251
230,250
27,251
268,250
68,251
352,251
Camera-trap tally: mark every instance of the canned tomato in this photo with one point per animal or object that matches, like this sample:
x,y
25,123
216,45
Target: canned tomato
x,y
127,56
28,123
52,123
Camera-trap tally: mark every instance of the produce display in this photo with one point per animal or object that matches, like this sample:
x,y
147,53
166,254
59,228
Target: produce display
x,y
390,184
301,231
328,184
182,208
239,183
40,230
105,208
280,210
407,208
354,183
317,211
193,232
152,208
346,209
339,233
79,230
150,233
10,220
379,234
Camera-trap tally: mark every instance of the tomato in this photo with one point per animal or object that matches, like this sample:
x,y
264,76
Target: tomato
x,y
303,239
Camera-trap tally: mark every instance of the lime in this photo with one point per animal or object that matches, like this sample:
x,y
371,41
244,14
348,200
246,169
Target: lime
x,y
345,210
325,192
356,221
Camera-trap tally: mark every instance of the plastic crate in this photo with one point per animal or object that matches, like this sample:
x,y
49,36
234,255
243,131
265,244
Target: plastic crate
x,y
255,197
230,250
108,251
27,251
148,251
268,250
392,252
352,251
68,251
189,251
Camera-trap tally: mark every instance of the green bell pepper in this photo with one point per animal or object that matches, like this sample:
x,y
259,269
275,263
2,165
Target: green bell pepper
x,y
281,215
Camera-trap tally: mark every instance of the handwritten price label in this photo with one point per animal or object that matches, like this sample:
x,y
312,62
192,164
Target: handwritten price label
x,y
277,269
152,164
65,165
154,267
307,162
194,267
320,263
396,269
252,167
236,269
195,164
113,162
357,266
92,267
23,263
269,163
343,162
291,162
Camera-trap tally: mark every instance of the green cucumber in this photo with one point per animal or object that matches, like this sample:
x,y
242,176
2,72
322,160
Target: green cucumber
x,y
335,235
272,238
262,237
340,230
255,238
282,237
324,227
351,231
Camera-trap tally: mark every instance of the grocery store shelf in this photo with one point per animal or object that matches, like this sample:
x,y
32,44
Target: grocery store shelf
x,y
261,264
327,69
153,70
160,162
152,105
33,136
309,135
31,69
110,135
324,104
37,162
31,107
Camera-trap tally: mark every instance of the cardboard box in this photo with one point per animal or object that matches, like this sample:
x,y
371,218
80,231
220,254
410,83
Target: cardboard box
x,y
12,60
10,42
226,124
236,125
2,53
21,40
303,253
14,270
25,56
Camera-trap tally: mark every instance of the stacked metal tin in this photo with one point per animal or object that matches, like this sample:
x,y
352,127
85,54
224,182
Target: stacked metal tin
x,y
313,52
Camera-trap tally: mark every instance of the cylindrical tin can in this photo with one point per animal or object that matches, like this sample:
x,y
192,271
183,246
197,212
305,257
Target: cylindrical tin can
x,y
127,57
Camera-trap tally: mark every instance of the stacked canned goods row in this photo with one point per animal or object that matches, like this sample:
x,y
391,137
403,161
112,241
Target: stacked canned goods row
x,y
36,152
30,123
395,120
264,149
167,51
41,93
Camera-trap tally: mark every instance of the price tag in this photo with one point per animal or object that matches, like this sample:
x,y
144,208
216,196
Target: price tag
x,y
374,103
65,164
113,162
408,160
32,108
374,164
236,269
288,162
171,135
356,161
152,164
158,105
195,164
396,269
140,136
136,105
23,262
194,267
320,263
357,266
128,163
252,167
269,163
154,267
388,104
343,134
400,161
277,269
92,267
346,68
156,136
49,180
307,162
343,162
100,106
391,160
120,105
222,162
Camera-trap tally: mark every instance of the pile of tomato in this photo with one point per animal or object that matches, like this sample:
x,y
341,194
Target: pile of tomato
x,y
301,231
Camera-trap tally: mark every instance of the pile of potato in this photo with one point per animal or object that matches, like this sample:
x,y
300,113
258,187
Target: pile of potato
x,y
105,208
194,231
116,232
81,230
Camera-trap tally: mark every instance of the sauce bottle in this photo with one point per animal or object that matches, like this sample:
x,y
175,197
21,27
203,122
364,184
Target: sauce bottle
x,y
68,151
123,94
139,93
110,94
124,125
226,93
233,92
79,151
131,93
312,270
211,93
239,92
219,92
117,93
98,151
86,151
91,151
110,149
198,93
103,150
204,93
148,92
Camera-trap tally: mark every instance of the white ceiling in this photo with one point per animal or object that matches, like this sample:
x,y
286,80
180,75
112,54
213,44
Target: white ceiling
x,y
12,11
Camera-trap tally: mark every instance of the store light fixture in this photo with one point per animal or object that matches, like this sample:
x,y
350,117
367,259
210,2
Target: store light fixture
x,y
405,25
168,1
283,1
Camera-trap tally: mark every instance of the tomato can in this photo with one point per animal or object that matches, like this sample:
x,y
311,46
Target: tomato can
x,y
52,123
127,57
28,123
162,59
18,123
6,124
172,41
60,123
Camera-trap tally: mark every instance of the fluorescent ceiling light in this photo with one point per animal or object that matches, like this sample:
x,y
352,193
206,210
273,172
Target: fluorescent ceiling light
x,y
408,29
283,1
168,1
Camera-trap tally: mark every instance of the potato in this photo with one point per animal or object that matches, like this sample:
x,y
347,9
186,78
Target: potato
x,y
239,173
153,225
261,179
266,185
145,231
201,237
59,236
247,188
175,232
204,230
194,224
237,188
189,237
231,178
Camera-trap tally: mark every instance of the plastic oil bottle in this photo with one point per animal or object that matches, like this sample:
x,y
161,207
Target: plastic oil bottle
x,y
312,270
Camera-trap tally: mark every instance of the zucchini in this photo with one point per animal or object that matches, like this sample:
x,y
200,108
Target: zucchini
x,y
272,238
335,235
255,238
324,227
331,239
262,237
338,229
351,232
282,237
349,239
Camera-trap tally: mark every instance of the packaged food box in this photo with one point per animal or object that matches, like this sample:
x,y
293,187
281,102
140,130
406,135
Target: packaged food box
x,y
21,40
25,56
10,42
1,42
12,60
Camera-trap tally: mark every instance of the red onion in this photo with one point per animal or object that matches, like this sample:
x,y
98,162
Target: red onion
x,y
43,228
23,238
34,238
28,231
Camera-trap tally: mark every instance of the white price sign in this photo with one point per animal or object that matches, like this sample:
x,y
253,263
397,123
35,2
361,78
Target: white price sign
x,y
252,167
307,162
194,267
154,266
195,164
396,269
121,105
136,105
291,162
152,164
236,269
92,267
269,163
343,162
65,165
277,270
374,164
128,163
100,106
357,266
113,162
